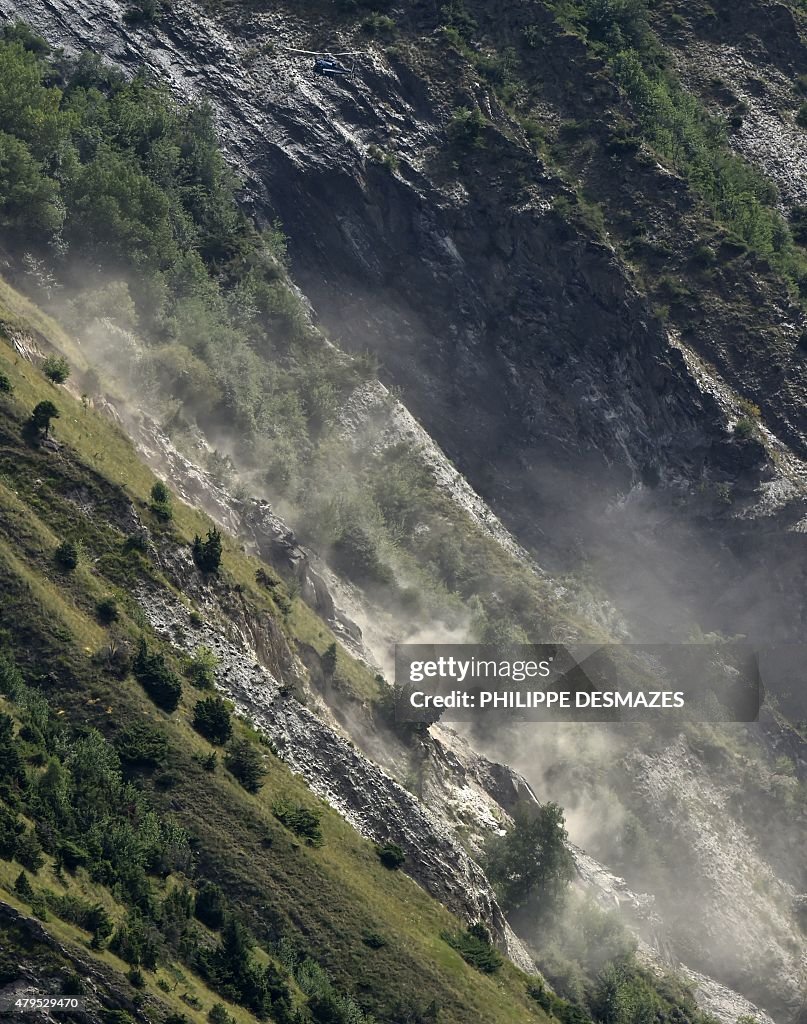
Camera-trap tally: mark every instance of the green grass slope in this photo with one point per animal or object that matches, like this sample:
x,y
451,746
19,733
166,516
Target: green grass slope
x,y
339,933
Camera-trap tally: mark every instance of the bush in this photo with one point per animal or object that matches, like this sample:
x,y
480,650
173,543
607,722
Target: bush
x,y
66,556
136,978
391,856
744,429
142,745
303,821
201,668
801,116
378,25
56,369
466,127
144,12
475,948
160,503
156,678
207,553
211,718
218,1015
106,611
245,763
6,387
210,905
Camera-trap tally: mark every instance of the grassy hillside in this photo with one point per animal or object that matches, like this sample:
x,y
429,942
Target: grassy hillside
x,y
164,819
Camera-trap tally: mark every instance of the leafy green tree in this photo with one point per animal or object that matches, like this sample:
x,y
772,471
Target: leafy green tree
x,y
6,387
211,718
244,761
531,859
160,503
41,417
28,198
56,369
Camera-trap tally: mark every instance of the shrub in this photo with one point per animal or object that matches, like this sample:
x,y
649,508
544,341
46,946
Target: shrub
x,y
801,116
144,12
207,553
744,428
66,556
136,977
106,611
475,948
142,744
218,1015
245,763
465,128
200,668
156,678
391,856
160,503
6,387
56,369
41,417
378,25
210,906
303,821
211,718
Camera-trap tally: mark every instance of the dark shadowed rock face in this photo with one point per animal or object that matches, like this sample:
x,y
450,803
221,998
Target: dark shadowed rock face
x,y
515,332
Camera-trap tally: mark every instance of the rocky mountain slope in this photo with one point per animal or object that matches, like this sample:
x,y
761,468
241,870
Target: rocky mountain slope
x,y
607,378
